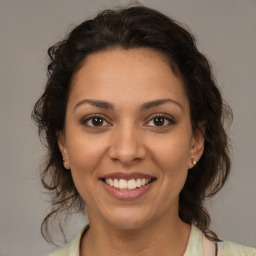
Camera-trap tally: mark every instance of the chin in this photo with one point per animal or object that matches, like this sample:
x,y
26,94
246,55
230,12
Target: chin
x,y
126,219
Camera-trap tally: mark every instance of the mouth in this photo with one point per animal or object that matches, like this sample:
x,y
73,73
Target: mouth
x,y
127,184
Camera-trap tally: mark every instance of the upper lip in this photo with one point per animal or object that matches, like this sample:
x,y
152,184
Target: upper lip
x,y
127,176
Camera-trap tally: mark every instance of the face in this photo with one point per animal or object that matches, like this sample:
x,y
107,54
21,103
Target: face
x,y
128,138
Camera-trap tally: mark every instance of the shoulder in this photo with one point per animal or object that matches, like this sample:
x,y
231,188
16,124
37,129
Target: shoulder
x,y
63,251
233,249
71,249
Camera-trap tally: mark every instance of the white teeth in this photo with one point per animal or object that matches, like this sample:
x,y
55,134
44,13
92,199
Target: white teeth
x,y
123,184
131,184
138,183
116,183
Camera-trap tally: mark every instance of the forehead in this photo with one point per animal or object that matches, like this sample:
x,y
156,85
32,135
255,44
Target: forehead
x,y
139,74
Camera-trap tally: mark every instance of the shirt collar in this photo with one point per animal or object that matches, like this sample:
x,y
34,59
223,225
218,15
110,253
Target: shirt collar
x,y
195,243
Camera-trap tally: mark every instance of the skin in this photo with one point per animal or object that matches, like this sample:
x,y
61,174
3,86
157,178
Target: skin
x,y
130,141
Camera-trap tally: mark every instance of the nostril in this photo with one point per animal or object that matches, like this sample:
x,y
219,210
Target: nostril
x,y
126,156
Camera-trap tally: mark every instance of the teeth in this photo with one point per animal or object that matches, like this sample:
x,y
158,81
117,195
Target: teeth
x,y
131,184
123,184
138,183
116,183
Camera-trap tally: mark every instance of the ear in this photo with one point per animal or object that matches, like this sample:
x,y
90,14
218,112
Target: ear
x,y
63,149
197,145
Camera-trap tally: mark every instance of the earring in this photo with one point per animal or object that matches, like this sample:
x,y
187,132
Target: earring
x,y
193,161
65,163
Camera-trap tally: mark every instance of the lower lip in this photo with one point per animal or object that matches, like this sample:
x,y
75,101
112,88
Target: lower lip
x,y
127,194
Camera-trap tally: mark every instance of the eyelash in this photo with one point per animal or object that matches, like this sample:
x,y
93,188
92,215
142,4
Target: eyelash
x,y
168,119
90,118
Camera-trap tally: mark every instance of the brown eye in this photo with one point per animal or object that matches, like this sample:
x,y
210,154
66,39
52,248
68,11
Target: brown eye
x,y
95,121
159,121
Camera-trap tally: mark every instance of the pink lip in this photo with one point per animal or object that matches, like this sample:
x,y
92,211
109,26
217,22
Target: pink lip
x,y
126,194
127,176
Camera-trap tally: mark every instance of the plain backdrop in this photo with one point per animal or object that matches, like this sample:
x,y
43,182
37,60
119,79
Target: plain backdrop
x,y
226,33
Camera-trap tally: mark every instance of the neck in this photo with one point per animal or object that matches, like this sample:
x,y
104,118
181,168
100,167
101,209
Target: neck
x,y
160,238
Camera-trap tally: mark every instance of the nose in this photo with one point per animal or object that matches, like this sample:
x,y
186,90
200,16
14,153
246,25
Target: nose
x,y
127,145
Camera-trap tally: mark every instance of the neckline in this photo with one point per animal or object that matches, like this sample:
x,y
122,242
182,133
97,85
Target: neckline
x,y
194,245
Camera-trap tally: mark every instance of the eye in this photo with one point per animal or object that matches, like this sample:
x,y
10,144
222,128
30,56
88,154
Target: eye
x,y
95,121
160,121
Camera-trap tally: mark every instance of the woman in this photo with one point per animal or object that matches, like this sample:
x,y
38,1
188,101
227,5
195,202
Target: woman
x,y
133,122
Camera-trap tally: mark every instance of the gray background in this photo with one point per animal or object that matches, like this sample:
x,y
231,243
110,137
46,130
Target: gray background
x,y
226,33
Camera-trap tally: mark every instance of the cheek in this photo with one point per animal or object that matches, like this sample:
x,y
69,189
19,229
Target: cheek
x,y
172,157
173,153
85,154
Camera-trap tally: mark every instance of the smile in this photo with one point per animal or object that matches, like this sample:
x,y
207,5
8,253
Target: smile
x,y
127,186
131,184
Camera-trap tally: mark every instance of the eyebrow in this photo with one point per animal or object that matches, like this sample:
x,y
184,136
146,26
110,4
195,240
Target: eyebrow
x,y
156,103
96,103
144,107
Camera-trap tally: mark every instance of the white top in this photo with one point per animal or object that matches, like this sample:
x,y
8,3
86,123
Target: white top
x,y
198,245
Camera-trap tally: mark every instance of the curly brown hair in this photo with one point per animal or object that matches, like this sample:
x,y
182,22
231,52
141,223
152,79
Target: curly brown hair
x,y
129,28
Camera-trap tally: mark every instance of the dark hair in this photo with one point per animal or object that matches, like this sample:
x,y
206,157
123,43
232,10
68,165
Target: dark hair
x,y
129,28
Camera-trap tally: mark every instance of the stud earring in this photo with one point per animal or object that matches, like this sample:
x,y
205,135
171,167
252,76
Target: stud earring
x,y
194,162
65,163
